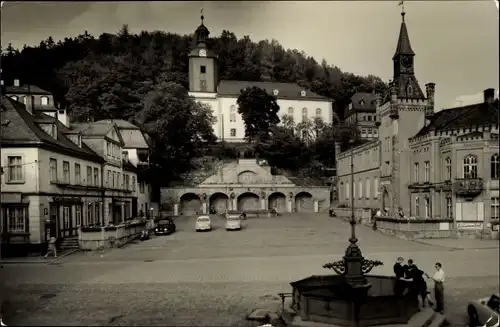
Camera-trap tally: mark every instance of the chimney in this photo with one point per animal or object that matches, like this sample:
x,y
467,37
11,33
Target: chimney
x,y
489,95
430,90
16,82
29,103
62,116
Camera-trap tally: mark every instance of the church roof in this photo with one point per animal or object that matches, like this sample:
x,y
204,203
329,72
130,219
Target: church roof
x,y
472,115
26,89
403,47
290,91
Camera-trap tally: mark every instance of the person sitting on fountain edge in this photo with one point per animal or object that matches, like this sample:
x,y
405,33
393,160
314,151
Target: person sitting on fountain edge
x,y
400,271
416,277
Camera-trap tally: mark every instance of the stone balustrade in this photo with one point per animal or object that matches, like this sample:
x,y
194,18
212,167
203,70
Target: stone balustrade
x,y
96,238
415,228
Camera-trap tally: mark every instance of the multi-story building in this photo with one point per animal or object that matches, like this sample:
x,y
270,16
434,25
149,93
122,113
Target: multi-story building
x,y
58,176
428,164
205,87
362,112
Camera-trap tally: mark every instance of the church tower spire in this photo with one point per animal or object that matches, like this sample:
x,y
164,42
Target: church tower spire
x,y
406,84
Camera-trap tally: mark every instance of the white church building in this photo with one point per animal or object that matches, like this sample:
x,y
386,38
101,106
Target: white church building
x,y
222,95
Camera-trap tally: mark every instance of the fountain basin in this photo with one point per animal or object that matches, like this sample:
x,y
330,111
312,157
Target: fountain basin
x,y
328,299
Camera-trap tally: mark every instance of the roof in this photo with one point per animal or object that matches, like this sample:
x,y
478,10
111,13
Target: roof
x,y
472,115
133,139
306,181
26,89
23,130
93,129
403,47
285,90
363,101
120,123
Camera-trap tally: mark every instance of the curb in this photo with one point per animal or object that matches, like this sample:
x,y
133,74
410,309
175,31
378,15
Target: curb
x,y
39,261
456,248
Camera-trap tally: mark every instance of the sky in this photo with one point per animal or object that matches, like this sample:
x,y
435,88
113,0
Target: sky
x,y
456,42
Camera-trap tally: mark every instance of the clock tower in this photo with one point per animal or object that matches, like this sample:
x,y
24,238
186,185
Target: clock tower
x,y
203,73
404,74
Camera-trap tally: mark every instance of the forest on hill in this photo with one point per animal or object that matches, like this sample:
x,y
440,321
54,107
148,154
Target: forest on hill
x,y
144,78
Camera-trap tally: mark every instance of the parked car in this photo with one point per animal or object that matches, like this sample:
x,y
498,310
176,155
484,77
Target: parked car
x,y
484,312
233,222
203,223
165,227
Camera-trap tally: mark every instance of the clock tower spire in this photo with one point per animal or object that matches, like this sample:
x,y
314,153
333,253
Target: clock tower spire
x,y
404,74
203,63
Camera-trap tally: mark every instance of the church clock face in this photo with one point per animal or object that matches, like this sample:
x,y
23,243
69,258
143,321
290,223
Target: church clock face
x,y
406,62
202,53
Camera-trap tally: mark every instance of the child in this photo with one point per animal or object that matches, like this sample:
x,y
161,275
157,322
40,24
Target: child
x,y
52,247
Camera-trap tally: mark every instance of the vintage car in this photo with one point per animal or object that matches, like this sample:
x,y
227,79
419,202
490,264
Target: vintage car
x,y
233,222
203,223
484,312
165,226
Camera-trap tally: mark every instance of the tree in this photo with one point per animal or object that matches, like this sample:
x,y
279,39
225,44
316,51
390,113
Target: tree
x,y
180,128
259,111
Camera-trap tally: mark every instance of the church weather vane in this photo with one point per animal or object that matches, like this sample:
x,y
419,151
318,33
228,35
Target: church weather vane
x,y
202,17
402,5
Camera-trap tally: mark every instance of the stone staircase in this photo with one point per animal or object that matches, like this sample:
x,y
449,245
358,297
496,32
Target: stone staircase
x,y
70,243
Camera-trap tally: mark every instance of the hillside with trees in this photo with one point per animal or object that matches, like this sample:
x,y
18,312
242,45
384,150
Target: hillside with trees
x,y
144,78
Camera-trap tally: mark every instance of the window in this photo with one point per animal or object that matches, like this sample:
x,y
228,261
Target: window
x,y
375,133
66,171
17,219
363,132
127,182
367,188
276,92
53,170
303,93
114,180
369,118
97,210
427,207
203,69
14,98
495,207
304,114
449,207
78,215
233,132
360,192
203,85
15,169
44,101
90,220
416,169
447,165
108,148
495,167
119,183
133,183
470,166
232,114
318,112
290,111
417,206
78,174
108,180
427,172
375,187
347,191
89,175
96,176
141,187
362,102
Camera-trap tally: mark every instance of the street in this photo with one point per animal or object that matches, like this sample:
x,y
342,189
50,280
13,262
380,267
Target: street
x,y
216,278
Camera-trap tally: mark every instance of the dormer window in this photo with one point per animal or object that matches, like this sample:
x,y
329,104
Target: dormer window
x,y
362,102
409,90
44,101
50,129
276,92
303,93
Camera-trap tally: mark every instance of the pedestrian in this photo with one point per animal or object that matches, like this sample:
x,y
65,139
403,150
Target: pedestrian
x,y
52,247
418,283
400,270
438,279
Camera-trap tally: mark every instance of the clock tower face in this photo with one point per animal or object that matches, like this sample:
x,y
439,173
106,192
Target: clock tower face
x,y
202,53
407,63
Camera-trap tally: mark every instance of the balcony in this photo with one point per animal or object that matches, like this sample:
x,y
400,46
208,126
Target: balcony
x,y
468,187
78,186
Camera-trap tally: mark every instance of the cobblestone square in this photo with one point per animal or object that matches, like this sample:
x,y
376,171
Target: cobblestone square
x,y
216,278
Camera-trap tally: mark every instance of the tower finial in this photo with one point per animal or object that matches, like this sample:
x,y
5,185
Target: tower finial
x,y
402,4
202,17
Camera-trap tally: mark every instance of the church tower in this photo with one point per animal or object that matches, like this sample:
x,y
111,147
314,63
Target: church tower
x,y
203,72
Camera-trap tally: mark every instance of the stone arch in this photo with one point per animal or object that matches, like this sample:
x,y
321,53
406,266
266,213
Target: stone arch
x,y
386,198
190,204
219,202
304,202
247,177
248,201
277,200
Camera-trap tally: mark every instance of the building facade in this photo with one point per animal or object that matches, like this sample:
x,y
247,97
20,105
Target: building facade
x,y
362,112
58,176
221,96
429,164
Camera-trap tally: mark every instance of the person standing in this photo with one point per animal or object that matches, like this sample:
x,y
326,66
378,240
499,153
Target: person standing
x,y
416,276
438,279
52,247
400,271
